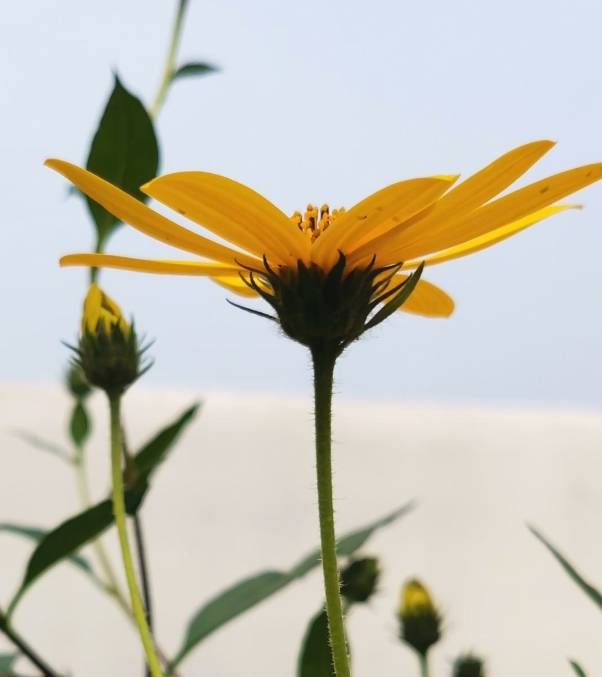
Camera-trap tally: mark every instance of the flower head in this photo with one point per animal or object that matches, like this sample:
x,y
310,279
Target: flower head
x,y
108,353
341,264
359,579
468,665
419,617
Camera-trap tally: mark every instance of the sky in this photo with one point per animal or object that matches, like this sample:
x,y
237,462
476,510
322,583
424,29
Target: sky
x,y
315,102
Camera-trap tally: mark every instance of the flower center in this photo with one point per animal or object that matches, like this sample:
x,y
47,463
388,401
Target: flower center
x,y
315,221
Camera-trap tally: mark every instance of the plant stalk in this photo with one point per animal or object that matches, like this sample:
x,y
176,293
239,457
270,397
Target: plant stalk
x,y
424,665
170,60
120,522
324,359
7,630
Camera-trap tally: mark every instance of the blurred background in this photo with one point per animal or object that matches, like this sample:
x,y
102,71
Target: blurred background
x,y
316,102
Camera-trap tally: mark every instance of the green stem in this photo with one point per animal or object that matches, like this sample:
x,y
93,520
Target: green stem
x,y
324,359
25,648
111,582
170,61
120,522
424,665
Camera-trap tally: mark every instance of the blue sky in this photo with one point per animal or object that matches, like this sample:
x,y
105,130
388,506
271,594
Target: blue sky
x,y
316,102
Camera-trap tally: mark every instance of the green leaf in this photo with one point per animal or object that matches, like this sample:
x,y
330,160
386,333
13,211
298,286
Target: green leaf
x,y
36,534
7,661
66,539
193,69
593,593
249,592
79,425
579,671
124,151
315,659
44,445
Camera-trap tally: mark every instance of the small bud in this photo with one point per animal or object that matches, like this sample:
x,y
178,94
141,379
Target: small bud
x,y
468,665
108,353
419,618
359,579
76,382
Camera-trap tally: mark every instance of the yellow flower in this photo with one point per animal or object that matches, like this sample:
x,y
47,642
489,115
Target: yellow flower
x,y
415,599
100,312
422,219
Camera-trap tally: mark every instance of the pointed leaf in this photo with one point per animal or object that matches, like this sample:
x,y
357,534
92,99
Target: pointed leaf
x,y
593,593
75,532
36,535
579,671
194,69
249,592
124,151
44,445
79,425
315,659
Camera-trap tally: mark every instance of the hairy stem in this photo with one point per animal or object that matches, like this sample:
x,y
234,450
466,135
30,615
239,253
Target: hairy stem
x,y
126,554
324,360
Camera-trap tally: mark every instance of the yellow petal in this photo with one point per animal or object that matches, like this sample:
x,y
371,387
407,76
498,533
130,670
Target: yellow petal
x,y
470,194
148,265
427,299
232,211
138,215
417,241
489,239
381,210
235,285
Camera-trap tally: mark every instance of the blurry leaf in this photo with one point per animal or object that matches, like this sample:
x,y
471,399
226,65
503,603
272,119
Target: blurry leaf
x,y
588,589
79,425
315,659
350,542
579,671
75,532
39,443
124,151
36,535
193,69
249,592
228,605
7,661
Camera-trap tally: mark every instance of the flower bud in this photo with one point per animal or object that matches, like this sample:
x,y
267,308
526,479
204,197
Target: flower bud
x,y
108,353
420,620
359,579
468,665
76,382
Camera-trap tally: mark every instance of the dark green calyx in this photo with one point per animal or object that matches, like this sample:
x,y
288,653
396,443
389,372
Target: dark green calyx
x,y
359,579
468,665
76,382
112,358
333,307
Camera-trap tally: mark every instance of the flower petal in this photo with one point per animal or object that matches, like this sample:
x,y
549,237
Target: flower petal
x,y
466,197
232,211
490,238
427,299
417,240
235,285
148,265
144,219
381,210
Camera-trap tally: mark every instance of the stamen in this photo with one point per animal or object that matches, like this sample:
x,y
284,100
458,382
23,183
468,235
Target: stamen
x,y
315,221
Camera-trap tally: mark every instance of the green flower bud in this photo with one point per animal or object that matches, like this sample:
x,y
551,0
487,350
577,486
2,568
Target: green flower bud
x,y
359,579
420,620
468,665
76,382
109,353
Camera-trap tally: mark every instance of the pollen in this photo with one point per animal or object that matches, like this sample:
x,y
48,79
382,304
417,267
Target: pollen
x,y
315,221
